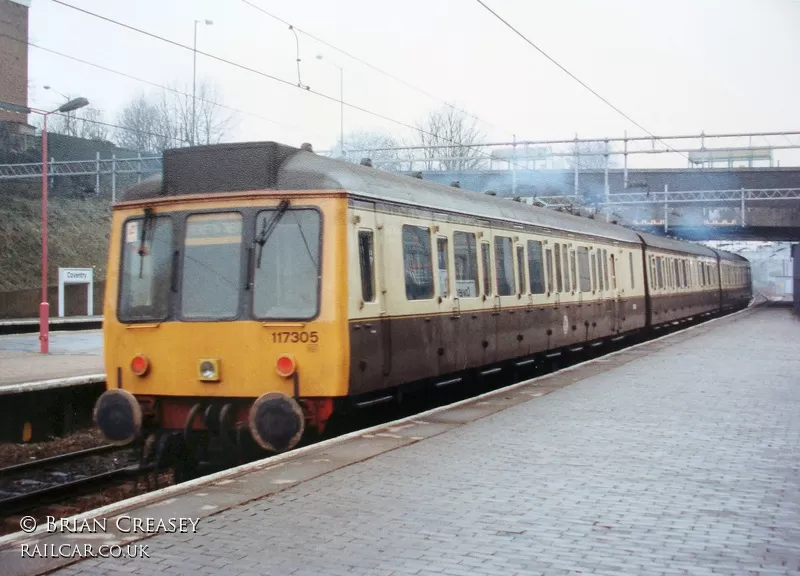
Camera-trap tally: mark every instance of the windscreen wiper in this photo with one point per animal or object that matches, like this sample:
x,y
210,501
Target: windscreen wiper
x,y
148,218
268,227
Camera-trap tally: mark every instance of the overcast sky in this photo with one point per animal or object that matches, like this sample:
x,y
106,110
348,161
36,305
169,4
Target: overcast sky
x,y
674,66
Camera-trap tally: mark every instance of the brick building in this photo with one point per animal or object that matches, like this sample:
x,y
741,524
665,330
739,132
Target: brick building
x,y
15,132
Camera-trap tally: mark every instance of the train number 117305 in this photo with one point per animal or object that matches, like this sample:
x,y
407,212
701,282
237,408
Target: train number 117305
x,y
294,337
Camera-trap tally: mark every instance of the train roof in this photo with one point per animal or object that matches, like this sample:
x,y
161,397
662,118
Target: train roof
x,y
248,166
725,255
676,245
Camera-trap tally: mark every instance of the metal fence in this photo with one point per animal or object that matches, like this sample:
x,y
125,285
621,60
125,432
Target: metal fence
x,y
100,174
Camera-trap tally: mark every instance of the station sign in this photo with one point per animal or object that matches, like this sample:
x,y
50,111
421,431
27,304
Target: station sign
x,y
76,276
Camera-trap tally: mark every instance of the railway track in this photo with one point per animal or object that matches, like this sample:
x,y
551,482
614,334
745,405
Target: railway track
x,y
44,482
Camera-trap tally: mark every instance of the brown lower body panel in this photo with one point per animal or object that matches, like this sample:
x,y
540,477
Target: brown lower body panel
x,y
390,352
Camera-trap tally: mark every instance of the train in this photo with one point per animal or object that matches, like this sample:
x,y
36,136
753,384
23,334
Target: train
x,y
256,290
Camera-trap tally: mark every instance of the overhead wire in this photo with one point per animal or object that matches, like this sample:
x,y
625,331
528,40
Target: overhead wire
x,y
151,83
371,66
579,81
261,73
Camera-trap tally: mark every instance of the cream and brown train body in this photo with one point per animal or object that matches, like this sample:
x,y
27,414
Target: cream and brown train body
x,y
290,286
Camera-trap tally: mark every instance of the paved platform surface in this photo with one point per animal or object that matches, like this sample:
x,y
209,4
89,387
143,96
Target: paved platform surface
x,y
679,456
71,354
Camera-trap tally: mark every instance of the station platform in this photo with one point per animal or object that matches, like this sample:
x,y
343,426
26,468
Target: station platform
x,y
73,357
676,456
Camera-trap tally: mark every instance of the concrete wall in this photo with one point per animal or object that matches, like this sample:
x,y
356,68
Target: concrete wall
x,y
25,303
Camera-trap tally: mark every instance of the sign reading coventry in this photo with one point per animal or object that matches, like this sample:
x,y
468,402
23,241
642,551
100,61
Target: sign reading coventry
x,y
76,276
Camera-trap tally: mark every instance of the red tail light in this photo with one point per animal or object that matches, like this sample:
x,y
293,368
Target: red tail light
x,y
285,366
140,365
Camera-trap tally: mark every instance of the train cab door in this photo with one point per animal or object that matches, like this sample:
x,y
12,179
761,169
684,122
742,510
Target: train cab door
x,y
381,329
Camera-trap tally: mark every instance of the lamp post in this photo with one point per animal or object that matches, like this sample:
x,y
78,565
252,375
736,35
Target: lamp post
x,y
341,102
194,80
44,307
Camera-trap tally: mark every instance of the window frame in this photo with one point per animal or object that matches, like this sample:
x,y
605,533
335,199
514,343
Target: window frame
x,y
486,268
244,305
250,237
431,260
371,235
476,258
542,264
443,293
175,270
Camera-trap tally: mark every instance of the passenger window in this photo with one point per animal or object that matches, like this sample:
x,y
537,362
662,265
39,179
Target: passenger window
x,y
486,260
686,282
520,270
367,260
565,266
504,265
660,271
583,268
443,259
604,266
594,271
572,270
417,262
630,263
653,273
535,267
559,285
466,265
613,274
600,269
549,257
678,281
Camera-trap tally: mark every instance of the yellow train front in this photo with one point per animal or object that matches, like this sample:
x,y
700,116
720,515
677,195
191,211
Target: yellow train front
x,y
216,327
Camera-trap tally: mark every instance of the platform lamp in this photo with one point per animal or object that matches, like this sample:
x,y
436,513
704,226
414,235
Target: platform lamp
x,y
44,307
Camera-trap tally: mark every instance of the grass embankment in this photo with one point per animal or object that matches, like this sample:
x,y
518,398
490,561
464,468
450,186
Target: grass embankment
x,y
78,233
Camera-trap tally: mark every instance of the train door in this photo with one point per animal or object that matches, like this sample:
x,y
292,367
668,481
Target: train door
x,y
384,326
487,326
616,300
447,328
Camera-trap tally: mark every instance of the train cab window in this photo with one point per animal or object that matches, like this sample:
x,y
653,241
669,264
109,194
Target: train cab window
x,y
443,259
594,272
583,268
504,265
536,267
417,262
486,260
366,258
146,274
572,270
630,267
286,271
520,270
559,278
613,273
212,260
466,265
549,267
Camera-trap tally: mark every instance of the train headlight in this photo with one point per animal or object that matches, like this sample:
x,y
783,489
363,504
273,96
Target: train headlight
x,y
208,370
140,365
286,365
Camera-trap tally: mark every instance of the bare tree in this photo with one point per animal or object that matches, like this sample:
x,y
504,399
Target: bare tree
x,y
168,120
84,123
589,155
451,141
368,144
